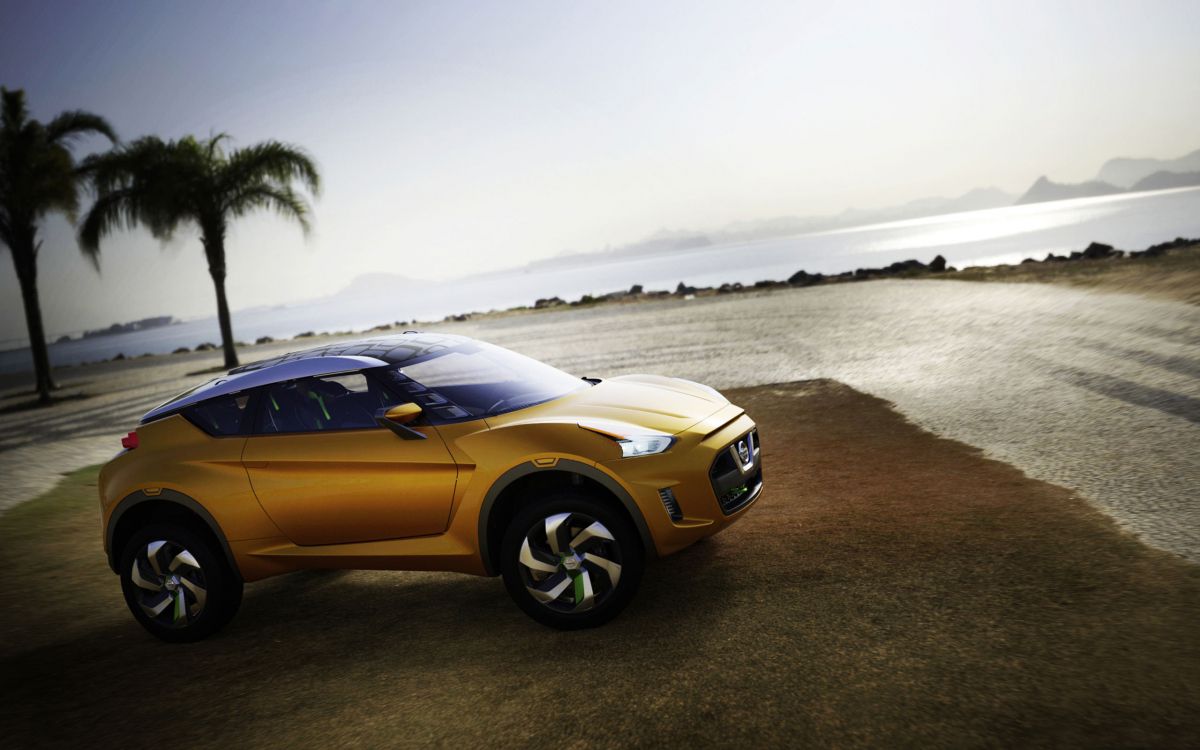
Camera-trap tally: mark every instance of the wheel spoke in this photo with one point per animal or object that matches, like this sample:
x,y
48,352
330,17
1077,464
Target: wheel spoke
x,y
184,558
531,561
556,528
180,612
585,597
142,582
595,531
199,592
154,610
152,550
551,588
613,569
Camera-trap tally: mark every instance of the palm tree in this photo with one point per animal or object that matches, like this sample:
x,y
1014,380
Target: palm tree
x,y
163,184
37,175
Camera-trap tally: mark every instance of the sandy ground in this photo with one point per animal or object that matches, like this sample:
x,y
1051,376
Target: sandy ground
x,y
889,589
1095,391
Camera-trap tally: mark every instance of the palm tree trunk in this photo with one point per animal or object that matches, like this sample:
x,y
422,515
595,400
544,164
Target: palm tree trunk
x,y
214,250
231,358
25,261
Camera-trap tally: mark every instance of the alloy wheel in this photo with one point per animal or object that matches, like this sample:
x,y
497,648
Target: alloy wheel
x,y
170,584
570,562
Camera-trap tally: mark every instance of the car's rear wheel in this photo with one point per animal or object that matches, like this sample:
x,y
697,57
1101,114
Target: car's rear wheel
x,y
177,584
571,561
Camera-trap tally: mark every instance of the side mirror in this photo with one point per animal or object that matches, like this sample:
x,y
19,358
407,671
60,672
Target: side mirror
x,y
397,418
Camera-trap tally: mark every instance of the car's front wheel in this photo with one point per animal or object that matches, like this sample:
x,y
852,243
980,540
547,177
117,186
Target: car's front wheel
x,y
177,584
571,561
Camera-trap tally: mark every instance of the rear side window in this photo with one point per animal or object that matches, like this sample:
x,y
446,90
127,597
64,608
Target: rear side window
x,y
336,402
219,416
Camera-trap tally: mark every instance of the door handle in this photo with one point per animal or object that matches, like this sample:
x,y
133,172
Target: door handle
x,y
255,464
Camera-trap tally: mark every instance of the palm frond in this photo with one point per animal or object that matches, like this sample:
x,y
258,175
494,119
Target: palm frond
x,y
271,162
70,125
280,199
215,153
123,209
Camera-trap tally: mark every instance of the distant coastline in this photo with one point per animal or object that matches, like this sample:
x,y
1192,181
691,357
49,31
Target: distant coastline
x,y
1088,267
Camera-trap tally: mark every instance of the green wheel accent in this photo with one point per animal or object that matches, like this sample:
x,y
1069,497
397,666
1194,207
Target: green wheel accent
x,y
578,588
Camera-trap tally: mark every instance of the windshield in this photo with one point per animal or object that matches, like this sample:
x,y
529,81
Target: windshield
x,y
474,379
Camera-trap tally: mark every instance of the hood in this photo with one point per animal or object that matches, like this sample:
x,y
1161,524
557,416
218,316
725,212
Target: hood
x,y
653,402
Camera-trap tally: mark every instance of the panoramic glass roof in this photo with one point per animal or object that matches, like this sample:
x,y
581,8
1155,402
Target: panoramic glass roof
x,y
390,349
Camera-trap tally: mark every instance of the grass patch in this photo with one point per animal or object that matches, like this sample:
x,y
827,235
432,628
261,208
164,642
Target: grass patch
x,y
890,589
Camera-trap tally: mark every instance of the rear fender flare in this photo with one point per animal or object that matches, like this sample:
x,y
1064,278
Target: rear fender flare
x,y
171,496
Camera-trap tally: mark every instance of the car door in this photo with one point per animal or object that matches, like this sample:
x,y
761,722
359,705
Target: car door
x,y
327,473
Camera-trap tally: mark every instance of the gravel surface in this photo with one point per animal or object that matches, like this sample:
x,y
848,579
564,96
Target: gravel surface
x,y
1095,391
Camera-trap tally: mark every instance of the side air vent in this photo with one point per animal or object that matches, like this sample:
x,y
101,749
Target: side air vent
x,y
668,500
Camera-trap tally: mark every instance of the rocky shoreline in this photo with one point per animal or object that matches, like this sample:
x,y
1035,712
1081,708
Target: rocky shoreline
x,y
938,267
901,269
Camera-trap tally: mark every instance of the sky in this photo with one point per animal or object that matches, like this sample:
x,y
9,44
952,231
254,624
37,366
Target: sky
x,y
455,138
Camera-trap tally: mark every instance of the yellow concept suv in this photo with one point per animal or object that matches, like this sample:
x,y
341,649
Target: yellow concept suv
x,y
419,452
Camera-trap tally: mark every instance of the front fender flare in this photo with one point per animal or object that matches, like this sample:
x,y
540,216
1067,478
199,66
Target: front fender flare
x,y
567,465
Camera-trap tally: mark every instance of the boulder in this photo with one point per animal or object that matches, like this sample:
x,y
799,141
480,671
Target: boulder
x,y
904,266
1096,251
1156,250
804,278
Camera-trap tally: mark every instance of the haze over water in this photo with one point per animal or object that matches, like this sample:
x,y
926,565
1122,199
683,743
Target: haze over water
x,y
1001,235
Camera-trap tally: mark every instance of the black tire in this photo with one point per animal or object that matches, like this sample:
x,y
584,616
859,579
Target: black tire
x,y
624,547
221,586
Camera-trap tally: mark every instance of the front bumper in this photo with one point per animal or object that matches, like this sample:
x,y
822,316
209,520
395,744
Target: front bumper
x,y
699,487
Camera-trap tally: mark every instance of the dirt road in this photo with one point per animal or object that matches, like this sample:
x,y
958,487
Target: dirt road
x,y
890,589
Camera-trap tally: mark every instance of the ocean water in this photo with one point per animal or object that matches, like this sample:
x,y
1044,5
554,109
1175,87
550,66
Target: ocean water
x,y
990,237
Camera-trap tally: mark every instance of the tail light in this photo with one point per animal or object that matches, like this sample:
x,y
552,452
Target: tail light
x,y
130,441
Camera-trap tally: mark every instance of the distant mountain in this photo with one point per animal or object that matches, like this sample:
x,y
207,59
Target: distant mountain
x,y
1165,180
669,241
973,200
1125,172
1046,190
378,284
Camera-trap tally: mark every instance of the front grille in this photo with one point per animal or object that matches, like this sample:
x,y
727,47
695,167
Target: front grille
x,y
736,473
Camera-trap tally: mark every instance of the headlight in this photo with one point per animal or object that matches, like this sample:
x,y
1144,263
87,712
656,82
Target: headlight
x,y
633,442
644,445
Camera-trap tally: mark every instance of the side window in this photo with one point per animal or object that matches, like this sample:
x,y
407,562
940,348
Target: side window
x,y
335,402
219,416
